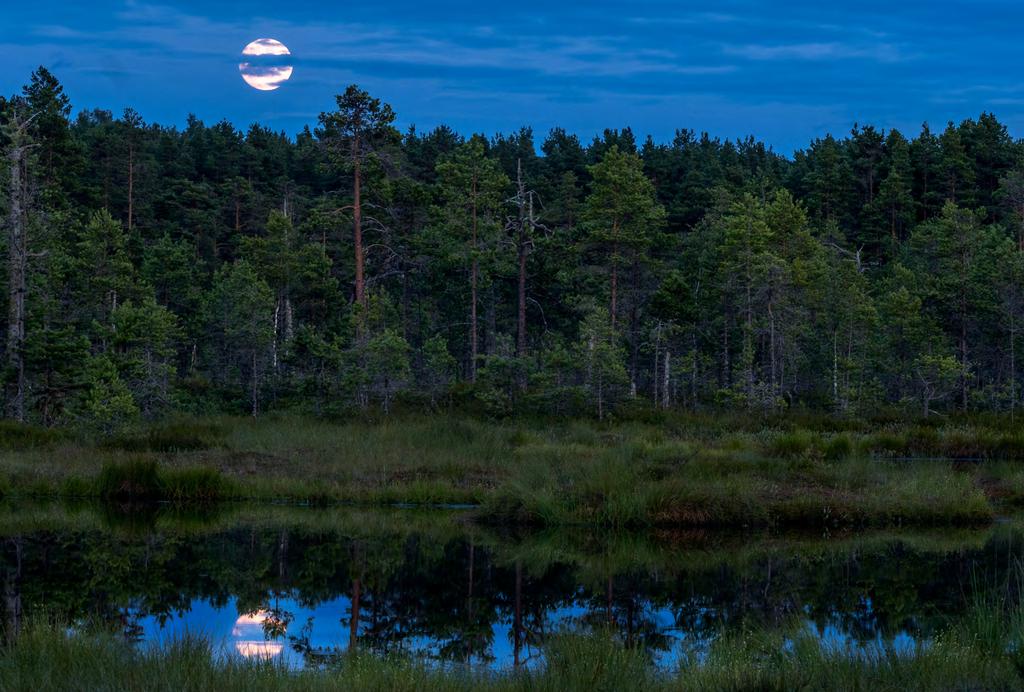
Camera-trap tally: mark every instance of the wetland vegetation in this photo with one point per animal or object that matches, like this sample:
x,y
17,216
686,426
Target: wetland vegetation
x,y
664,470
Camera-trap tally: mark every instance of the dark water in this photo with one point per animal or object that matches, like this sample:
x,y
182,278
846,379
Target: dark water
x,y
307,585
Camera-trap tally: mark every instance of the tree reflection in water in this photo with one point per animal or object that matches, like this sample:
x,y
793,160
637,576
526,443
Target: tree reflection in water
x,y
449,591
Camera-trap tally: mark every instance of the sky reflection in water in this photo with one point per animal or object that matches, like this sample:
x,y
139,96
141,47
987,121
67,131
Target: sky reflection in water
x,y
295,591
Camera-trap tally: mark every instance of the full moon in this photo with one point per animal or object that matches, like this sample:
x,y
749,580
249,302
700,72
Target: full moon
x,y
265,64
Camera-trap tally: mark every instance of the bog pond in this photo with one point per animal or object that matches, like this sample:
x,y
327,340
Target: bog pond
x,y
304,586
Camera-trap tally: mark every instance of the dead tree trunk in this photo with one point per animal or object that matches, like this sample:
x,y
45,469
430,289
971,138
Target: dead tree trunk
x,y
17,265
474,344
357,221
131,186
255,392
666,395
613,302
524,233
521,308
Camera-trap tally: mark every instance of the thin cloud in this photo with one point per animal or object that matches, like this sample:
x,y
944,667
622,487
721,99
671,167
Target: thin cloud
x,y
264,78
266,46
159,27
882,52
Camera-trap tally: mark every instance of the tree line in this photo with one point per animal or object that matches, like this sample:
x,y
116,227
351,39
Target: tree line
x,y
151,269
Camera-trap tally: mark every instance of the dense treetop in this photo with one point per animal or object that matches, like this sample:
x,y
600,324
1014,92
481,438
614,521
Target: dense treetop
x,y
151,269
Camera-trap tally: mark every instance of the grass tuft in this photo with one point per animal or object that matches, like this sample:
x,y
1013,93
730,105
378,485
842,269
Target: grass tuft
x,y
142,480
132,481
197,484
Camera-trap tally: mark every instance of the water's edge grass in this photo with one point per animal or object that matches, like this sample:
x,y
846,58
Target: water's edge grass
x,y
979,651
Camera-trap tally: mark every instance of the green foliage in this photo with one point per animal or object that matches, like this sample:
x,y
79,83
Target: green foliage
x,y
107,405
657,469
238,318
848,278
387,365
438,370
791,445
600,357
144,338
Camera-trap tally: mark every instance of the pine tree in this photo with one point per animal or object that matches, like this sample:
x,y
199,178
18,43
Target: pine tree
x,y
601,359
895,199
746,263
957,172
621,216
472,190
957,258
238,312
357,133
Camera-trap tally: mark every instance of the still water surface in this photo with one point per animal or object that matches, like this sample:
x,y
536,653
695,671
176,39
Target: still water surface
x,y
303,586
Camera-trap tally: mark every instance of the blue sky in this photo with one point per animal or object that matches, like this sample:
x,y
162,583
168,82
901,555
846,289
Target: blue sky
x,y
784,72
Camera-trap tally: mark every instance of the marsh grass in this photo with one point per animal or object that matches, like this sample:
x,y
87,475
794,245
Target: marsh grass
x,y
173,436
18,436
979,652
196,484
679,470
143,480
